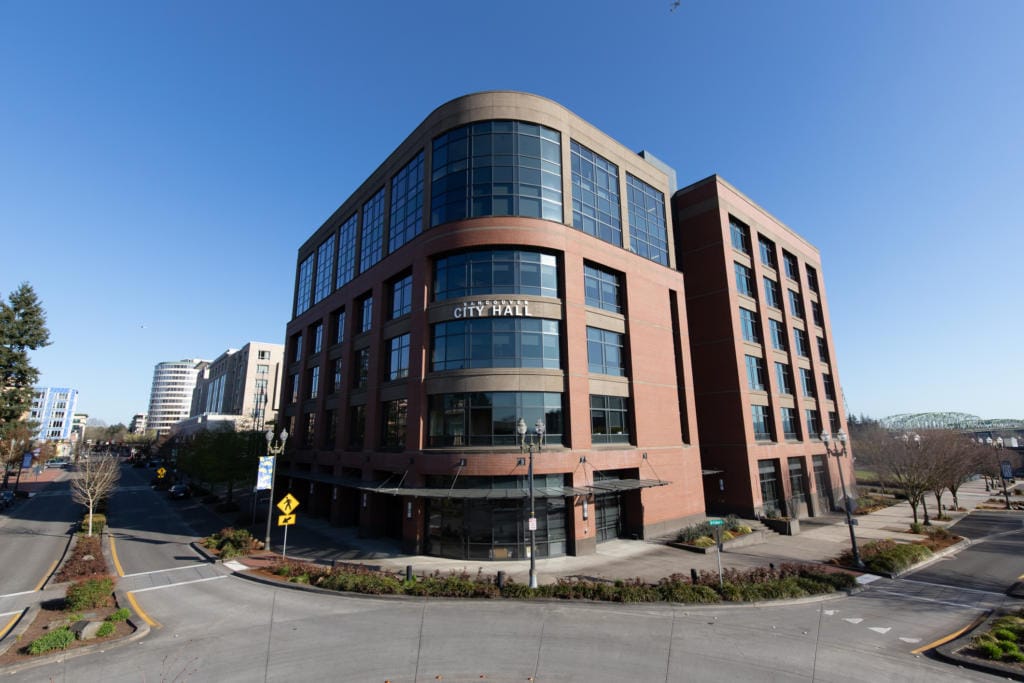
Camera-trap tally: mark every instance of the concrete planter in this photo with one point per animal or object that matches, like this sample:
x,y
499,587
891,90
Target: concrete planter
x,y
753,538
787,526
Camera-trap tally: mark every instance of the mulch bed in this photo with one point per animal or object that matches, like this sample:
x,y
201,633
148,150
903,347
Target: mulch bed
x,y
53,616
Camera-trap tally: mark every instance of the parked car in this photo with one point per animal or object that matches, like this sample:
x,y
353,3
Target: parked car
x,y
179,491
58,462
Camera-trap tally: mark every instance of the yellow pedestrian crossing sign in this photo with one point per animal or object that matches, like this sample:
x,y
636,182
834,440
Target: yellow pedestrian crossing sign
x,y
285,520
287,504
160,473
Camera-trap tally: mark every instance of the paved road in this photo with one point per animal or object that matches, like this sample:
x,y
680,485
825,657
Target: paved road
x,y
994,560
33,536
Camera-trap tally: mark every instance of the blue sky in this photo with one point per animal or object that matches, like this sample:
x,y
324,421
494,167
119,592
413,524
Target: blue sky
x,y
160,163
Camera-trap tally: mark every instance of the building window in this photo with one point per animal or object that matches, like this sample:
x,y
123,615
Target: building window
x,y
822,350
356,427
314,382
740,235
767,248
830,387
339,326
500,271
595,195
324,266
496,168
336,376
495,343
778,332
263,355
792,269
366,313
790,423
816,315
807,383
783,379
393,428
263,370
331,435
609,419
371,248
398,357
648,235
309,431
750,326
297,347
362,374
800,344
796,306
833,420
604,352
602,289
489,418
744,280
812,279
318,339
401,297
771,293
762,423
755,373
295,388
406,203
813,422
304,289
347,251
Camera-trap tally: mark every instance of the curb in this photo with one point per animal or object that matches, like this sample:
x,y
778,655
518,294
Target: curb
x,y
945,552
141,631
949,651
72,541
204,553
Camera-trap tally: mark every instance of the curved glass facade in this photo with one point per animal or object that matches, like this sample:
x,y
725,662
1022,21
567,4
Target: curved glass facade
x,y
495,343
498,271
496,168
488,418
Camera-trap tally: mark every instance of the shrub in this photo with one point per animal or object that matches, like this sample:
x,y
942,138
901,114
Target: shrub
x,y
1004,634
89,594
916,528
105,629
231,542
99,522
696,531
674,590
57,639
703,542
888,557
1017,657
1008,646
990,650
122,614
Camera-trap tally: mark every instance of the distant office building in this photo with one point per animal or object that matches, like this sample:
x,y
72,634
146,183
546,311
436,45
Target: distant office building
x,y
138,424
171,395
240,383
765,379
53,408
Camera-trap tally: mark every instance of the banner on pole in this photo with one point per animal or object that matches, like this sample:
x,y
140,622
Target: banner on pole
x,y
265,473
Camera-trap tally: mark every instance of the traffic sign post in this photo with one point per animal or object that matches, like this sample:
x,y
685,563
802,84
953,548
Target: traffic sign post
x,y
160,473
717,524
286,505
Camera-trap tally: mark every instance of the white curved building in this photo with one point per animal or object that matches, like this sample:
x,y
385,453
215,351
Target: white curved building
x,y
170,398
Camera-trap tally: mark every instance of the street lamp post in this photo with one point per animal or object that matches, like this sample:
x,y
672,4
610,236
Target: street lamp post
x,y
273,451
537,438
839,451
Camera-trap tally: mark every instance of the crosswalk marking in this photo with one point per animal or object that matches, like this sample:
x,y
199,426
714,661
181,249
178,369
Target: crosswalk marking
x,y
182,583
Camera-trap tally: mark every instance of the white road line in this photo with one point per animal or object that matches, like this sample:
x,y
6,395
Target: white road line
x,y
937,602
183,583
956,588
11,614
160,571
14,595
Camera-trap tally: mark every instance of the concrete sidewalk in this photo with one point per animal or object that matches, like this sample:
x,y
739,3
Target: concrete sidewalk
x,y
820,539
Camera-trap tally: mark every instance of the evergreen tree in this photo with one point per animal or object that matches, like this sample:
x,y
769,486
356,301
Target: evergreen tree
x,y
22,329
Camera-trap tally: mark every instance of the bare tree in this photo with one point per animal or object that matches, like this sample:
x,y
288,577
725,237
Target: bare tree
x,y
97,479
911,467
956,458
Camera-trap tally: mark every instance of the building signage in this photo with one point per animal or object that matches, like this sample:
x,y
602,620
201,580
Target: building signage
x,y
493,308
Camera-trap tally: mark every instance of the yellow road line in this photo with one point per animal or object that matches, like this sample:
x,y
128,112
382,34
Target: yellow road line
x,y
49,571
138,610
113,555
951,636
10,624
